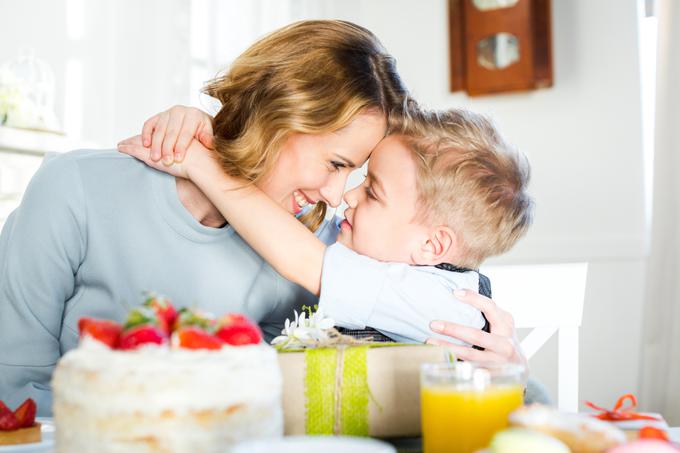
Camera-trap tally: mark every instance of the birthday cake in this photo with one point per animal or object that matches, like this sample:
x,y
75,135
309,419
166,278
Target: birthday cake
x,y
166,382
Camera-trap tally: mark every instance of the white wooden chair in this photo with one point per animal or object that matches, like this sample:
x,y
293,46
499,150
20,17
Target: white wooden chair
x,y
548,298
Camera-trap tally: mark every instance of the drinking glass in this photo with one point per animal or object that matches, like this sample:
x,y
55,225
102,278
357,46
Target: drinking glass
x,y
463,404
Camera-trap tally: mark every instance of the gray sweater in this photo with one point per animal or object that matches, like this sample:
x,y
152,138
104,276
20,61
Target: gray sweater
x,y
96,229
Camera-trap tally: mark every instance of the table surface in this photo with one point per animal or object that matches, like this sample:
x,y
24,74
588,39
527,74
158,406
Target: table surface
x,y
402,445
414,445
674,434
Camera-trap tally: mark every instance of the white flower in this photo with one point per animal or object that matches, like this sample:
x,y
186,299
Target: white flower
x,y
304,331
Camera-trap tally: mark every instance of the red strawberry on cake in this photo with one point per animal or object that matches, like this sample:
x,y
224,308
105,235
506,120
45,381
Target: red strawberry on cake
x,y
195,338
142,327
166,312
141,335
107,332
236,330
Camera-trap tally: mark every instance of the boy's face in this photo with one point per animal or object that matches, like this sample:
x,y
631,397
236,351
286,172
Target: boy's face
x,y
380,218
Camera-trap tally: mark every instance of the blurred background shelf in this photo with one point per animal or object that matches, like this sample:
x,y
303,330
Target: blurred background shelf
x,y
34,142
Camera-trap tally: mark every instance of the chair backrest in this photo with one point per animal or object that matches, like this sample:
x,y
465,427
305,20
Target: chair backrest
x,y
548,298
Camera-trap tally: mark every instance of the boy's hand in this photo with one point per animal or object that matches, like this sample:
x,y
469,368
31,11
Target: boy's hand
x,y
169,134
196,156
500,345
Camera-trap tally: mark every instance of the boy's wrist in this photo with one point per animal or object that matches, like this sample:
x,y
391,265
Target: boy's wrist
x,y
198,161
203,168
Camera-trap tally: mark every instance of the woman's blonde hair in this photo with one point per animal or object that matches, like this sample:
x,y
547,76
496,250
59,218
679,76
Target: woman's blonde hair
x,y
310,77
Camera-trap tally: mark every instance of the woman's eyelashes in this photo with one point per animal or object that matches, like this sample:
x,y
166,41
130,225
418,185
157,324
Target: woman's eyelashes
x,y
337,165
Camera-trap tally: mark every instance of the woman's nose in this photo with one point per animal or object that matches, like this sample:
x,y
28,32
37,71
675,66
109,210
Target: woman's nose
x,y
332,192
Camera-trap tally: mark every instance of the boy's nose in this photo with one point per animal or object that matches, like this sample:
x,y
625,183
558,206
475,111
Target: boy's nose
x,y
350,197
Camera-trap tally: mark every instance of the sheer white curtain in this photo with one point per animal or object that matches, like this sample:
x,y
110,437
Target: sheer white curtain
x,y
660,372
222,29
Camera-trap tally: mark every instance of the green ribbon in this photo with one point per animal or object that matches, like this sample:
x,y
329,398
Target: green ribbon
x,y
320,390
354,392
337,406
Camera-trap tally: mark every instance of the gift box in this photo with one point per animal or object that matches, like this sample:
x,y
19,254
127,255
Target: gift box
x,y
360,390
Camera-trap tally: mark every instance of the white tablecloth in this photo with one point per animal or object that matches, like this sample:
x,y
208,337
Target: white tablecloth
x,y
48,447
674,434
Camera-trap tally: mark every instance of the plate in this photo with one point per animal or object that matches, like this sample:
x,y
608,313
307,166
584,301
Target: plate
x,y
46,445
326,444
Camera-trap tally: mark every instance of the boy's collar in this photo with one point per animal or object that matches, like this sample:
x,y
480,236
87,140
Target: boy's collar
x,y
453,268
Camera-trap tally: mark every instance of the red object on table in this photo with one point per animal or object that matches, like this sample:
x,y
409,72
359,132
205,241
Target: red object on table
x,y
22,417
650,432
620,413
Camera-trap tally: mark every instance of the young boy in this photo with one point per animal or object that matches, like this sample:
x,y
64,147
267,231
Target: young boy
x,y
443,192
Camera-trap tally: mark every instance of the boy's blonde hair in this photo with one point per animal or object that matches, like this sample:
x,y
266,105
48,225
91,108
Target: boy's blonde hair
x,y
310,77
470,179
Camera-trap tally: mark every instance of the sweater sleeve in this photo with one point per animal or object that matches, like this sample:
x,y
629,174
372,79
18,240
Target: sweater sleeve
x,y
41,248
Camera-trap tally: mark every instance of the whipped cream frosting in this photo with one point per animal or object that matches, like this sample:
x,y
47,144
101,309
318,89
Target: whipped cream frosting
x,y
153,379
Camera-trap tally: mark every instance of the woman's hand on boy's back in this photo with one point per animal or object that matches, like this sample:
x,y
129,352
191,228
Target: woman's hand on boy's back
x,y
168,134
500,345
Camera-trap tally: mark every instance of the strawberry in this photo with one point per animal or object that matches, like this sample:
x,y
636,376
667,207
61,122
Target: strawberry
x,y
141,335
8,421
142,316
194,318
107,332
236,329
240,334
25,414
650,432
233,318
164,310
195,338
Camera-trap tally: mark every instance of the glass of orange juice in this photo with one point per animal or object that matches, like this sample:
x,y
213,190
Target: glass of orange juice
x,y
463,403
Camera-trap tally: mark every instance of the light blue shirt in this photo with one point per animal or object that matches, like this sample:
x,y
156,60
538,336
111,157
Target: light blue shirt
x,y
397,299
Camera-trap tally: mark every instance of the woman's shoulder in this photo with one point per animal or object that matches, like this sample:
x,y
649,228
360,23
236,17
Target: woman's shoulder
x,y
83,164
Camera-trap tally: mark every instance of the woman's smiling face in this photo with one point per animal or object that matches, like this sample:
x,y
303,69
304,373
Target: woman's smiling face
x,y
313,168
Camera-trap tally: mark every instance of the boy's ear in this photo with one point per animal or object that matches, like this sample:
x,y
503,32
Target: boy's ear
x,y
438,246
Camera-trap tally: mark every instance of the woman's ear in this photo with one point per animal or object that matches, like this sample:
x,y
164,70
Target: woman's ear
x,y
439,246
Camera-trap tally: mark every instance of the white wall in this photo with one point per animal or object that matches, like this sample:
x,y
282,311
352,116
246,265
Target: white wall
x,y
115,62
583,136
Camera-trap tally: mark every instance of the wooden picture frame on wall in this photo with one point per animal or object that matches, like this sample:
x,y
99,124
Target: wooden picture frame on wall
x,y
498,49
